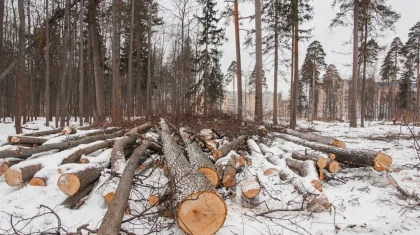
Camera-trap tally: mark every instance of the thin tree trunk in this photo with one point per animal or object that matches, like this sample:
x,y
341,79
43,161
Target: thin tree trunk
x,y
313,91
276,61
61,107
258,83
238,60
47,62
149,61
296,69
291,105
362,104
20,81
418,79
130,98
81,72
353,115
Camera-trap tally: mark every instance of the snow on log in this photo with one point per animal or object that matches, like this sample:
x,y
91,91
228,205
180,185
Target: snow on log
x,y
18,176
322,163
17,139
198,207
249,185
307,170
361,158
76,179
207,134
88,150
72,201
6,163
118,161
223,151
226,168
111,222
26,153
104,158
317,138
198,160
44,133
68,130
80,135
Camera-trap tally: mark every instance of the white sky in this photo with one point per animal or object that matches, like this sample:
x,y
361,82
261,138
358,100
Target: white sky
x,y
331,39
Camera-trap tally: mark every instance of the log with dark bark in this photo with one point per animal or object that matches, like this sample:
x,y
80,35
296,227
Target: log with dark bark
x,y
118,161
198,159
6,163
197,207
72,201
74,180
44,133
88,150
26,153
223,151
111,223
352,157
306,169
18,139
322,163
18,176
316,138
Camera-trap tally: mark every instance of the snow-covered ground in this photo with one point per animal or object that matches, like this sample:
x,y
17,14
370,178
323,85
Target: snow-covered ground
x,y
363,201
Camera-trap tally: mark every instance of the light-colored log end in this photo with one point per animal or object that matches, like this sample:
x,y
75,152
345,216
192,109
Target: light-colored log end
x,y
14,140
69,184
13,177
241,161
332,156
153,200
270,171
201,213
317,185
36,181
217,154
108,197
229,180
322,162
250,188
334,167
3,168
84,161
211,145
339,143
210,174
382,162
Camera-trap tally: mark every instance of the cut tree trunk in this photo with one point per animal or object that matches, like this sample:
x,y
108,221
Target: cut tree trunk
x,y
322,163
38,181
68,130
76,179
26,153
111,223
227,167
88,150
198,159
6,163
72,201
44,133
307,170
26,140
249,185
316,138
197,207
223,151
359,158
118,161
18,176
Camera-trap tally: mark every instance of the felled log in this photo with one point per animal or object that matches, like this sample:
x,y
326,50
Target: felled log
x,y
26,153
118,161
38,181
317,138
322,163
76,179
197,207
111,223
68,130
18,139
72,201
43,133
80,136
198,160
226,168
306,169
359,158
223,151
88,150
6,163
18,176
207,134
249,185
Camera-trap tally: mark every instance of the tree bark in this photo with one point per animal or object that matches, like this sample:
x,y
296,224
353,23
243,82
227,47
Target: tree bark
x,y
111,223
20,81
26,140
355,77
47,66
43,133
85,151
149,61
130,97
362,104
72,182
362,158
26,153
329,164
258,82
198,159
198,207
223,151
18,176
276,61
81,64
316,138
72,201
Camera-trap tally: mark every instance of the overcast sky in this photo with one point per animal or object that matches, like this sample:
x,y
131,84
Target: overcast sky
x,y
331,39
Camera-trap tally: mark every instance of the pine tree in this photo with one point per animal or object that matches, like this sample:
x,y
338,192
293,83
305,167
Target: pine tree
x,y
231,78
391,68
332,82
210,41
412,48
313,64
404,89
